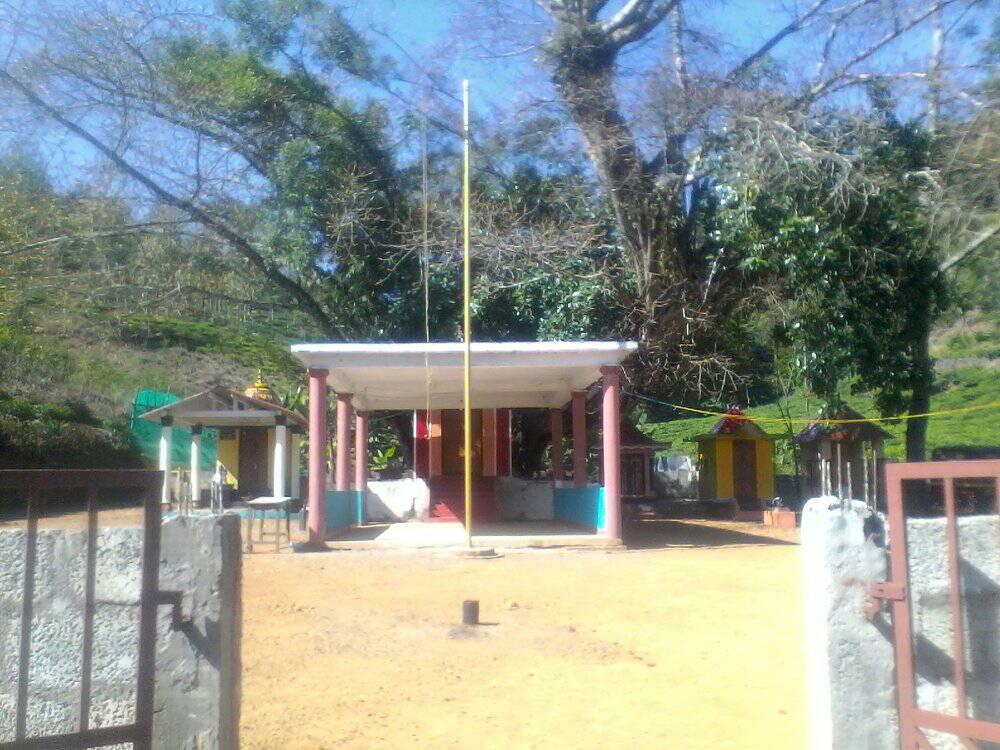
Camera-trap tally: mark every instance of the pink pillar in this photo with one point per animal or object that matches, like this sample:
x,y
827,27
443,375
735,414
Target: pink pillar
x,y
611,426
361,451
579,439
558,471
361,464
344,414
318,438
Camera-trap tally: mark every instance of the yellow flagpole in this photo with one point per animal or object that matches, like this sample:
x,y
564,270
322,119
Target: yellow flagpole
x,y
467,283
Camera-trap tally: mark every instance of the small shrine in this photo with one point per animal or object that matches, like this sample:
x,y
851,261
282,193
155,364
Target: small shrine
x,y
736,464
258,443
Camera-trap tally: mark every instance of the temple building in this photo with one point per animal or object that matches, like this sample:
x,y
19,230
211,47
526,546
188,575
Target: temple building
x,y
427,379
258,441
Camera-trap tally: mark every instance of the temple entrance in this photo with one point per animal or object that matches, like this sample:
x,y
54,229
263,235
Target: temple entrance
x,y
253,461
745,473
453,442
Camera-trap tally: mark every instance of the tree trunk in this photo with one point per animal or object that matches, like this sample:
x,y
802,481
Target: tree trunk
x,y
582,62
921,384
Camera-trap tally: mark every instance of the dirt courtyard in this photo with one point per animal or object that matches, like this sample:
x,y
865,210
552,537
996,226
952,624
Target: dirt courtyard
x,y
689,639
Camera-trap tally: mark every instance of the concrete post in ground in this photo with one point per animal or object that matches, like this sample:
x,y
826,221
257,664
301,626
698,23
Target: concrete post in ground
x,y
579,439
318,438
295,465
849,660
344,415
195,465
612,450
556,419
166,436
361,462
278,470
198,666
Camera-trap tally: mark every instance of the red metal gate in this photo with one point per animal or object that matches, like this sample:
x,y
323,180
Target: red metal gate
x,y
936,484
32,486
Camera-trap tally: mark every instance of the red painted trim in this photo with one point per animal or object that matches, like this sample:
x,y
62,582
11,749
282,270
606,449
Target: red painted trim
x,y
503,442
421,445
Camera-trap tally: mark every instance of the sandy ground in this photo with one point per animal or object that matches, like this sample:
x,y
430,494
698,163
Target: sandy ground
x,y
128,516
691,639
688,639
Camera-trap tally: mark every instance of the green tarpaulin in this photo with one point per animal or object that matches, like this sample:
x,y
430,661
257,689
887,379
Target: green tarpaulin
x,y
147,434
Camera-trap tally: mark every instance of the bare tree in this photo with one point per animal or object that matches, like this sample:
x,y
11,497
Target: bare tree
x,y
649,121
102,74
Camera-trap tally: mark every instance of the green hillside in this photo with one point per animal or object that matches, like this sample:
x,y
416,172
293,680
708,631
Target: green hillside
x,y
960,388
66,391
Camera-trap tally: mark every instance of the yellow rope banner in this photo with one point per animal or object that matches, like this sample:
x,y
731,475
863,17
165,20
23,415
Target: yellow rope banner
x,y
816,420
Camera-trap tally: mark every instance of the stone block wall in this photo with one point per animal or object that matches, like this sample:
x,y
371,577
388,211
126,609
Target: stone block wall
x,y
197,690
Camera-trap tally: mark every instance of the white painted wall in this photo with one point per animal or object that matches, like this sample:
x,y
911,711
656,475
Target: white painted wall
x,y
392,500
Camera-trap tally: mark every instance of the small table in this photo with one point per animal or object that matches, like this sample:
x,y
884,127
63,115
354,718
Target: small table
x,y
264,504
780,518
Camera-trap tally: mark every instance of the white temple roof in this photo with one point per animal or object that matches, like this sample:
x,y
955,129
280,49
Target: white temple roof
x,y
513,374
224,407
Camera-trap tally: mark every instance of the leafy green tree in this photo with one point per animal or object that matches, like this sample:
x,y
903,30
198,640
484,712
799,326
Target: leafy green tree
x,y
859,282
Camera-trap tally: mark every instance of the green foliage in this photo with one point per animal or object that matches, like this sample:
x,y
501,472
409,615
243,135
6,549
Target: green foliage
x,y
958,389
857,279
984,343
38,434
55,443
248,348
382,458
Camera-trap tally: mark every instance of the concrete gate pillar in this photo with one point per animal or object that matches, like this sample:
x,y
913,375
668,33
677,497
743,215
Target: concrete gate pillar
x,y
295,465
278,470
195,465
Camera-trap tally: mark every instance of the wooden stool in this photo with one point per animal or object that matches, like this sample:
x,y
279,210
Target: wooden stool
x,y
264,504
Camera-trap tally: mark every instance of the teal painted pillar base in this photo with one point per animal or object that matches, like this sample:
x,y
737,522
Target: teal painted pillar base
x,y
583,506
359,514
344,508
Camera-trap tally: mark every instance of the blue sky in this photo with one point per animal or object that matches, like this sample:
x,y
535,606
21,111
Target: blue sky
x,y
425,26
450,37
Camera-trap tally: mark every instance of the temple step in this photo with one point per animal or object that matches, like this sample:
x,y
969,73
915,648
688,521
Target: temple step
x,y
448,499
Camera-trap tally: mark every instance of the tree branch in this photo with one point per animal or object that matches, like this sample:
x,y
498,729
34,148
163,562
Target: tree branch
x,y
978,241
795,25
123,231
820,88
635,19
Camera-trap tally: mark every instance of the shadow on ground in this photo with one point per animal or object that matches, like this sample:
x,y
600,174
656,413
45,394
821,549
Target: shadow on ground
x,y
664,533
